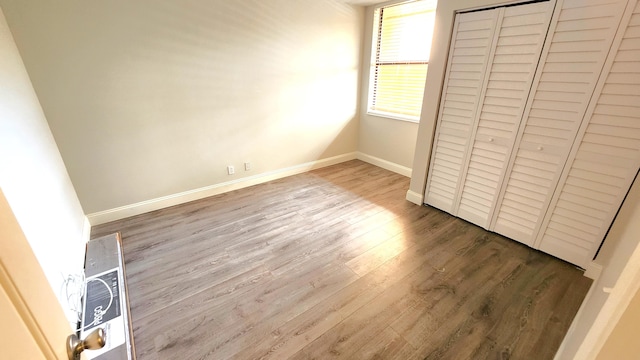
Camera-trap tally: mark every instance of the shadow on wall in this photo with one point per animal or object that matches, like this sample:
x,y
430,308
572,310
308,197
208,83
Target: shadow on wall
x,y
152,98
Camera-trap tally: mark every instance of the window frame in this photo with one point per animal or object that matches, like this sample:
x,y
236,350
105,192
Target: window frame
x,y
373,64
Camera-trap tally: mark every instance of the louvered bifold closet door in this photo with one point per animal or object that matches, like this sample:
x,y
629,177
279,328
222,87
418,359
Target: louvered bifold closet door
x,y
466,70
568,72
606,158
521,31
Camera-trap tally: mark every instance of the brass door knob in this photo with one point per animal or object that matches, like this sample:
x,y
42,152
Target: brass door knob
x,y
75,346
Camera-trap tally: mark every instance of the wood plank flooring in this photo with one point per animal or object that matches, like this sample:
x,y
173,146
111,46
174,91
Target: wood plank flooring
x,y
336,264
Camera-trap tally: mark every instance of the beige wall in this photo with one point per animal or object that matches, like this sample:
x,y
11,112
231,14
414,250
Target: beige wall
x,y
33,176
150,98
387,139
623,342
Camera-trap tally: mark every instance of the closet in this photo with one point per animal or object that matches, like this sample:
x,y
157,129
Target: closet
x,y
538,134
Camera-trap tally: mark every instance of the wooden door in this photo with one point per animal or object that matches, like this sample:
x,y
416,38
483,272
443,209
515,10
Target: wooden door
x,y
573,58
492,62
33,323
517,45
606,157
469,55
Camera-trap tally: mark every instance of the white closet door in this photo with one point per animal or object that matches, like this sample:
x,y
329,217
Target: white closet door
x,y
466,70
603,165
571,64
520,36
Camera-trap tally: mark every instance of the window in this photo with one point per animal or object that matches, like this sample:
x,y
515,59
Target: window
x,y
400,57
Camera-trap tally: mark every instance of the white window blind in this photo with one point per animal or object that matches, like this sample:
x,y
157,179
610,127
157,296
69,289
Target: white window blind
x,y
400,58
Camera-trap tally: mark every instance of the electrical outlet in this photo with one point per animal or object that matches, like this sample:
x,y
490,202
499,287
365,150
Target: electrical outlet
x,y
247,166
231,170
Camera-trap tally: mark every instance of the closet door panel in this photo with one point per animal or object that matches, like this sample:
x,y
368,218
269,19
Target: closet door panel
x,y
521,34
468,57
568,72
606,161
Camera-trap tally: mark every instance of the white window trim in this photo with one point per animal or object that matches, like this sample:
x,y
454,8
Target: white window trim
x,y
373,46
393,116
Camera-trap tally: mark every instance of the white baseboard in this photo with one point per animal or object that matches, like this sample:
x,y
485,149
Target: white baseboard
x,y
593,270
142,207
415,197
86,230
388,165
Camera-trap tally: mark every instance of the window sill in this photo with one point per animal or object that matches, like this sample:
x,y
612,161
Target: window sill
x,y
393,116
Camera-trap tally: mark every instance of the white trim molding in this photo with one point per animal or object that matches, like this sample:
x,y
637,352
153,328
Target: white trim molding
x,y
415,197
620,296
593,270
385,164
142,207
86,230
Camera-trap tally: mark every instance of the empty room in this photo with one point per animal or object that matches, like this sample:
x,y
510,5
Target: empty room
x,y
319,179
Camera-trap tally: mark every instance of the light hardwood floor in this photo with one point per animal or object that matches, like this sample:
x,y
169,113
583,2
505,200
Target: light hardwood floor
x,y
336,264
